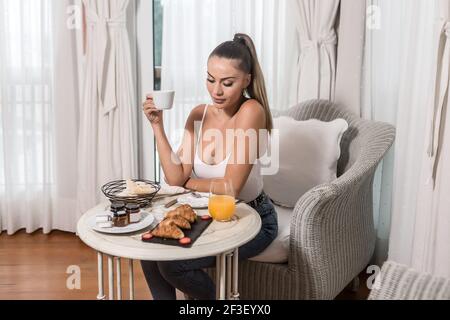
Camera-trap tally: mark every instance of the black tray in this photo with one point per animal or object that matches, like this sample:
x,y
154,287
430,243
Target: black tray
x,y
196,231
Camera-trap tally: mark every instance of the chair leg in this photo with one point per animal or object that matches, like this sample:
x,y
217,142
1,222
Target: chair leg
x,y
355,284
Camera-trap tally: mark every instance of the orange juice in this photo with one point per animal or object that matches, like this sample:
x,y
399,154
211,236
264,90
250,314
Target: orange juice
x,y
221,207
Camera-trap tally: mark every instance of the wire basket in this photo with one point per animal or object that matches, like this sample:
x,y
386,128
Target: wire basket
x,y
112,190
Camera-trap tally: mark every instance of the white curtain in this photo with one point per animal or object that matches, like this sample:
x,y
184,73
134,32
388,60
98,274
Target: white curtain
x,y
429,249
38,116
397,73
108,136
315,73
350,52
193,28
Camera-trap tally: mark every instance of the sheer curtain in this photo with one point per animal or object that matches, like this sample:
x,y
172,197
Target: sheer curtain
x,y
192,29
397,74
429,251
38,116
351,34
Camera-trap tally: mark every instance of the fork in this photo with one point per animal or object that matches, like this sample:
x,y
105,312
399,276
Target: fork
x,y
196,195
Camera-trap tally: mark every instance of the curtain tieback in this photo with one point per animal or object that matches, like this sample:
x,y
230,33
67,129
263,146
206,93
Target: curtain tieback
x,y
106,77
440,102
330,39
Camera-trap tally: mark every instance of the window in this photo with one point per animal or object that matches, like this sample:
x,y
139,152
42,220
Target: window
x,y
25,92
157,60
157,42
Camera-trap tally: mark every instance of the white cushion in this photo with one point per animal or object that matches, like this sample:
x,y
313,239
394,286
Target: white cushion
x,y
308,155
278,250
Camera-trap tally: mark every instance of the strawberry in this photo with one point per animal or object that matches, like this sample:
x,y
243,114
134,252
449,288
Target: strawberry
x,y
206,217
185,241
147,236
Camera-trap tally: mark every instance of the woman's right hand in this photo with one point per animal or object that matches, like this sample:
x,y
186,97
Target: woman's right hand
x,y
153,115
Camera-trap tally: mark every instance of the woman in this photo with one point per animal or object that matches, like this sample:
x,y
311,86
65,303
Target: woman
x,y
233,73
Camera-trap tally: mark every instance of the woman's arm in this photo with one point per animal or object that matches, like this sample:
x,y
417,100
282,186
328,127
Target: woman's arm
x,y
172,165
177,167
250,118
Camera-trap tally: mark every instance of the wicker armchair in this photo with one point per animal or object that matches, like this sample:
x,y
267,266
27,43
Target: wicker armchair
x,y
399,282
332,230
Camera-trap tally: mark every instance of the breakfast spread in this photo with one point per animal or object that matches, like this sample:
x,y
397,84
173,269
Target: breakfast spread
x,y
178,227
174,222
120,215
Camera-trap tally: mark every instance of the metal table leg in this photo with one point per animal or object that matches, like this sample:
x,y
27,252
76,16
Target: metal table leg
x,y
235,289
218,277
111,277
227,265
229,278
223,274
101,288
131,278
119,279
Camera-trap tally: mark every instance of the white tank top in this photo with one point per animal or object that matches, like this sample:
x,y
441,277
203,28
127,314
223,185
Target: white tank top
x,y
252,188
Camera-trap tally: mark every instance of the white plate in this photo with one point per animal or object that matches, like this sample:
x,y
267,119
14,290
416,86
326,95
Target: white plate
x,y
146,220
195,203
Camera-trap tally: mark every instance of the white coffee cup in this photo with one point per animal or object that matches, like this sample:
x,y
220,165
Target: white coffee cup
x,y
163,100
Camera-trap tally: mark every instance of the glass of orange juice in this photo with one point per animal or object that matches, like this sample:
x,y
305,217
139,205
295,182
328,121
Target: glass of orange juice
x,y
222,203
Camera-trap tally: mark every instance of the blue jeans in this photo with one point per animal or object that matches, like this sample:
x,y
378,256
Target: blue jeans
x,y
187,275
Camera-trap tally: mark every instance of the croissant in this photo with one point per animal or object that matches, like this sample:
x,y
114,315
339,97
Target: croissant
x,y
184,211
168,230
177,220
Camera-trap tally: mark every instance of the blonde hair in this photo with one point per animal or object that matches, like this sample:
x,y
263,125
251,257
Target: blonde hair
x,y
243,49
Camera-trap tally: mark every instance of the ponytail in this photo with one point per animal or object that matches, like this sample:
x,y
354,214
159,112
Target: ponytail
x,y
243,49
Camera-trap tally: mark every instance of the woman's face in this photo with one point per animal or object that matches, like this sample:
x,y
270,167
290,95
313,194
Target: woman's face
x,y
225,82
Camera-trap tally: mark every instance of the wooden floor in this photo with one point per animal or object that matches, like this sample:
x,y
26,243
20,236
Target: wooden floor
x,y
34,266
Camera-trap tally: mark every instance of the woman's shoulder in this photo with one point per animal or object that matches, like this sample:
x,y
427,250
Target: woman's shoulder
x,y
197,113
251,109
251,106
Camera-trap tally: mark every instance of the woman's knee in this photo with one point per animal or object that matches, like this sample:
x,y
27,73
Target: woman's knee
x,y
148,266
171,269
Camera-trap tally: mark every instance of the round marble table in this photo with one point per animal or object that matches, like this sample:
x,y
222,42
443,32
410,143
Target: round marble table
x,y
220,239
